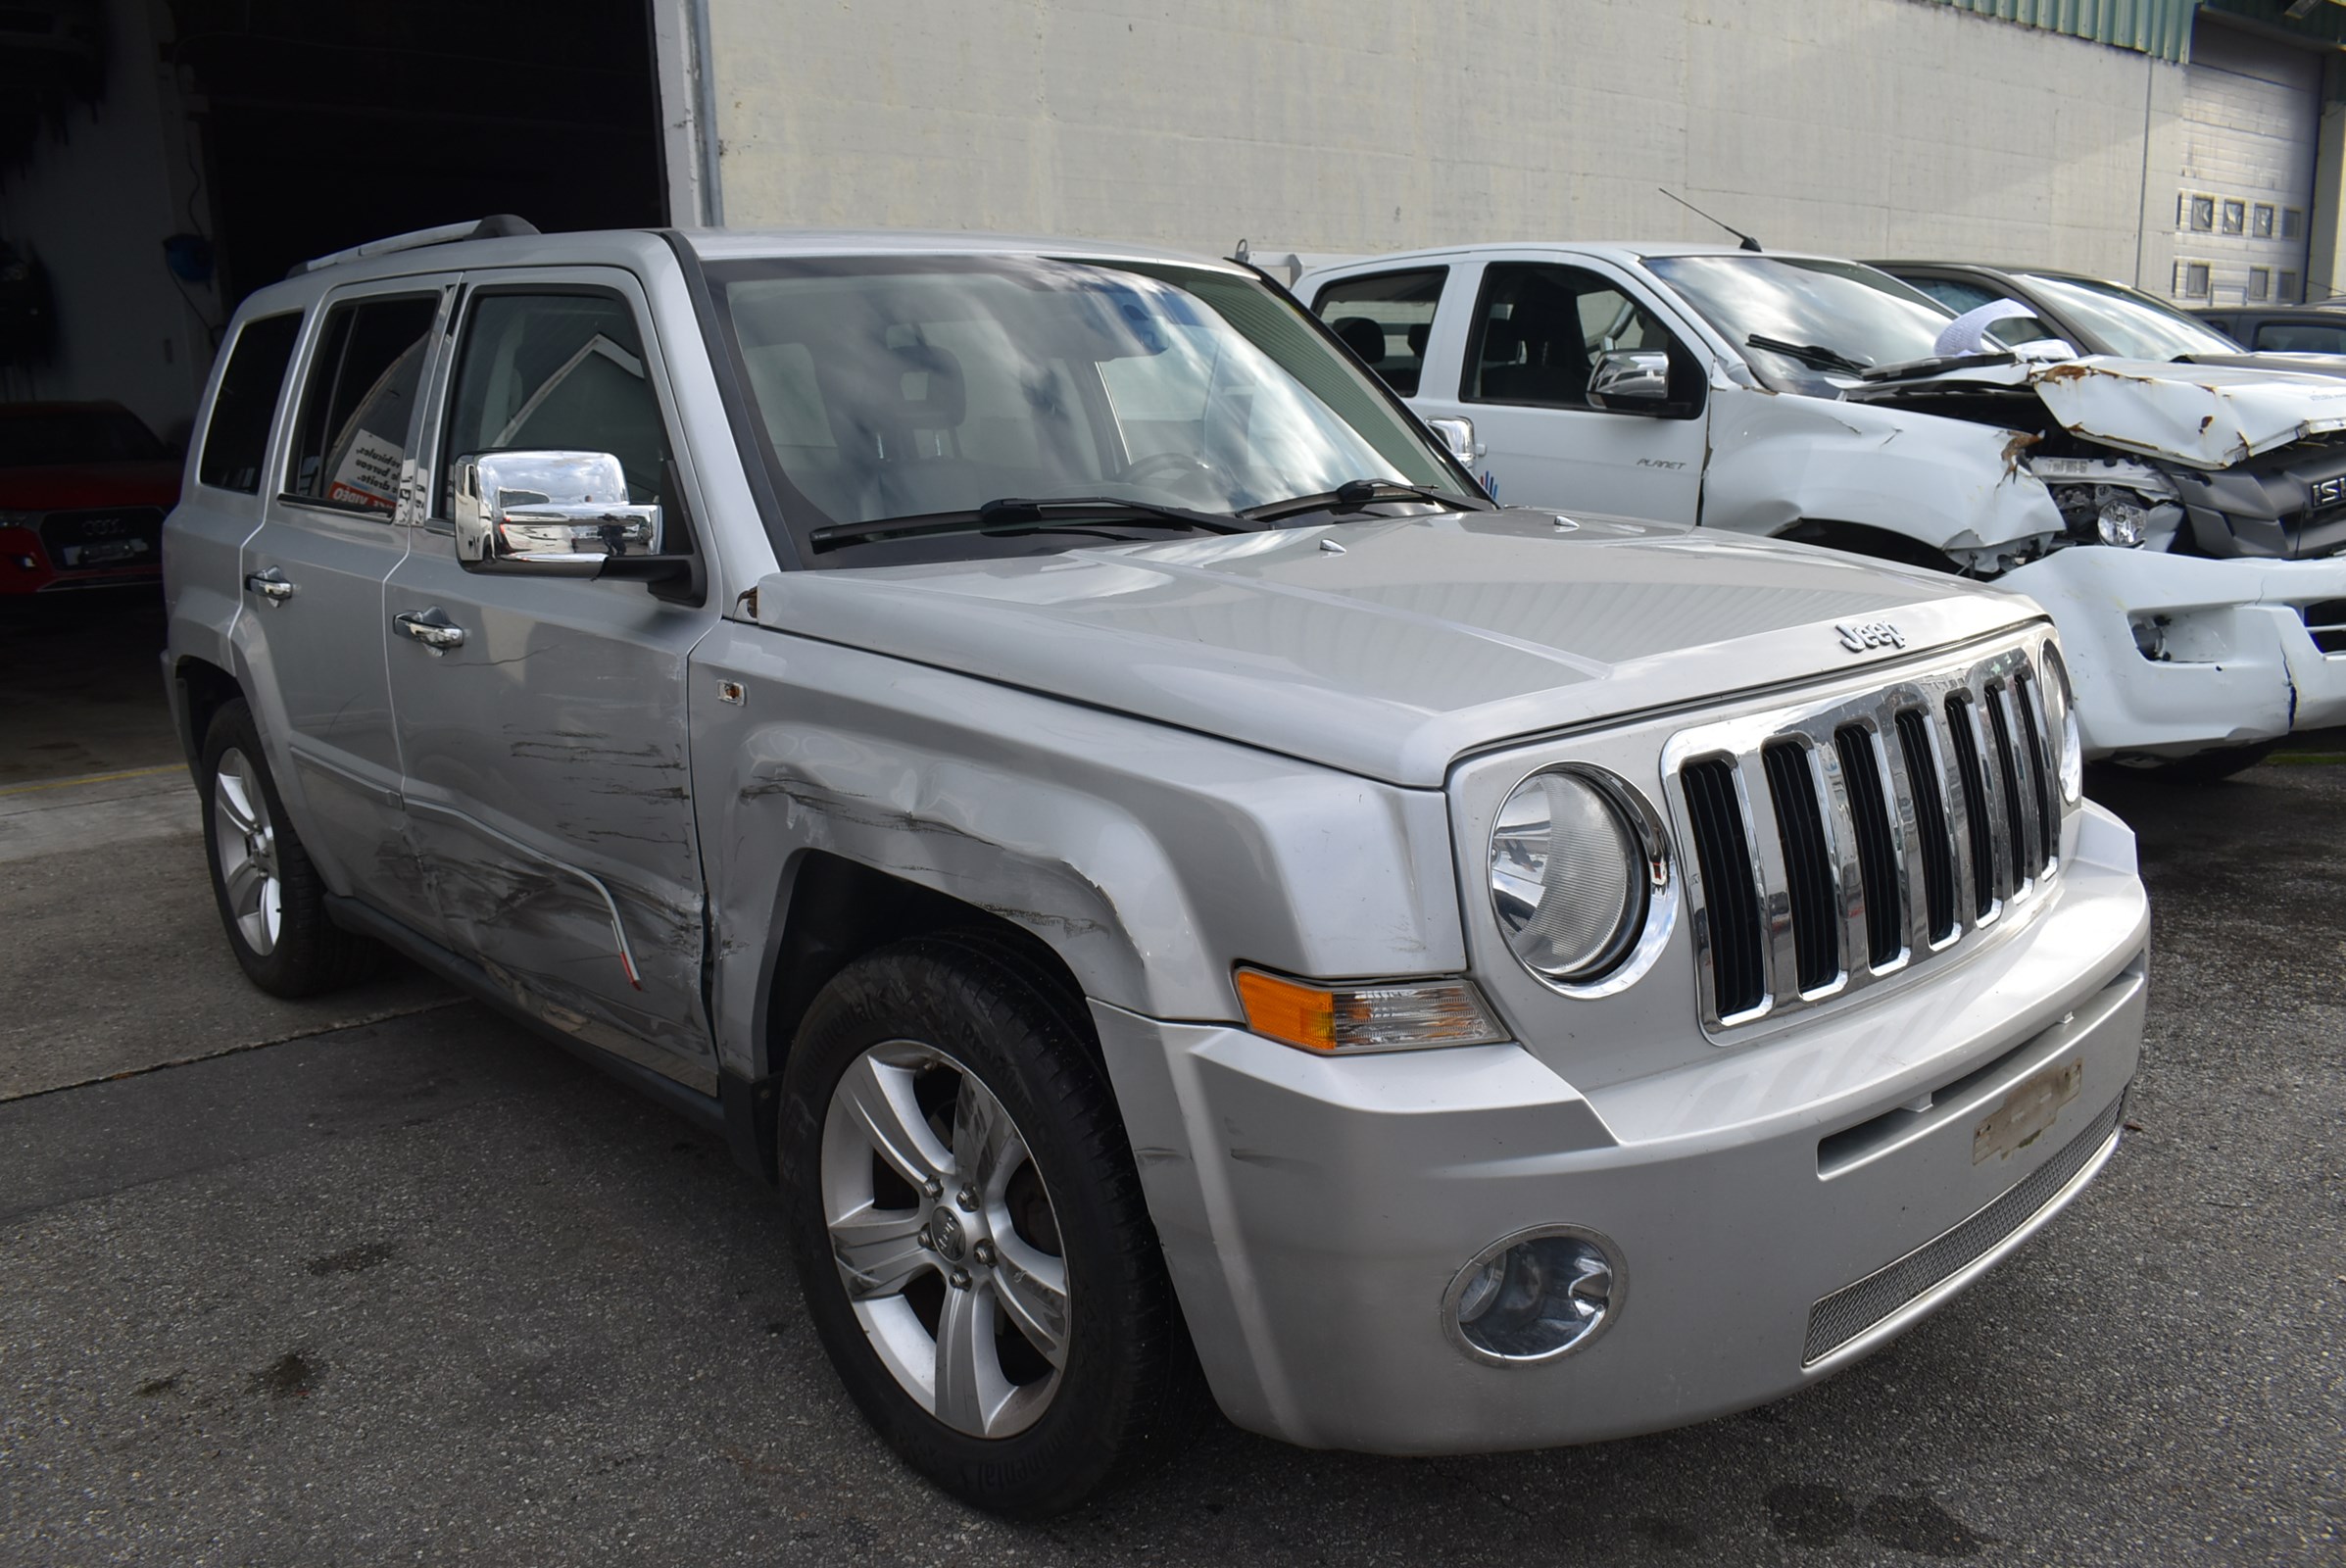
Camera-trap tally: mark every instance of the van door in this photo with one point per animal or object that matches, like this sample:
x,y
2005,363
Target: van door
x,y
543,721
313,580
1537,335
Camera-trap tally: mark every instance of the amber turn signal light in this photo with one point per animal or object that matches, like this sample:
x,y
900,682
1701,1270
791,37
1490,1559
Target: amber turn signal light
x,y
1367,1015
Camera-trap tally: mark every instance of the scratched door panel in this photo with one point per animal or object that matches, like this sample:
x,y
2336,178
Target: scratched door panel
x,y
545,754
312,586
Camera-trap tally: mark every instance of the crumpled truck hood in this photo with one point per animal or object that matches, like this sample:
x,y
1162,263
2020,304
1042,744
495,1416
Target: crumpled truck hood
x,y
2204,416
1425,638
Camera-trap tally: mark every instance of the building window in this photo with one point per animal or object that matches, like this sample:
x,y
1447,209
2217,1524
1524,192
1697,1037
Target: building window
x,y
2261,225
2192,280
2236,217
2201,214
2288,288
2292,223
2260,282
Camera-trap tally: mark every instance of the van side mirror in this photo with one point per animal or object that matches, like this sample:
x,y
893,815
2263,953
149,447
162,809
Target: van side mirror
x,y
551,514
1631,382
1458,435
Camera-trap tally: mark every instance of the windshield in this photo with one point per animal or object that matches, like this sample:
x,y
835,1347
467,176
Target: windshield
x,y
1849,313
2126,322
40,437
892,387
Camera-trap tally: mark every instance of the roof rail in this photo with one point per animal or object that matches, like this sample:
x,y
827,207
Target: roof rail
x,y
496,225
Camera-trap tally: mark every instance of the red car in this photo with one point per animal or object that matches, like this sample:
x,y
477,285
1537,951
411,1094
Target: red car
x,y
83,487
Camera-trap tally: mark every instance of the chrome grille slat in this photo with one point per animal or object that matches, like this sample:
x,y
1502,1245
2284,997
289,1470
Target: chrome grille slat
x,y
1863,835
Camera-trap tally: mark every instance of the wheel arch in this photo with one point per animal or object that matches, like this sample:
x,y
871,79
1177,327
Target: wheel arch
x,y
200,690
831,911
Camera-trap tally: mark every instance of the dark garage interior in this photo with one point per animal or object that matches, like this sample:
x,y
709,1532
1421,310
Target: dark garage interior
x,y
329,126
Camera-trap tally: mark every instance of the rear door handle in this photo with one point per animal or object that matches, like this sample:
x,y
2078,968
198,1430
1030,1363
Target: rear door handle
x,y
271,584
430,627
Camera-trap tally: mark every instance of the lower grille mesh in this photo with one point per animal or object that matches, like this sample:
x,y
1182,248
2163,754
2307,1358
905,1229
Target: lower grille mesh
x,y
1852,1310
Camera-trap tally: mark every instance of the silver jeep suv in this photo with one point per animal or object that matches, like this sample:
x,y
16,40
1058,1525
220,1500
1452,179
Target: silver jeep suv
x,y
1177,889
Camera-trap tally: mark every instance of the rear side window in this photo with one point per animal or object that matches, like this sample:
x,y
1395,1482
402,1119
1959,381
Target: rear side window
x,y
359,405
1386,320
247,401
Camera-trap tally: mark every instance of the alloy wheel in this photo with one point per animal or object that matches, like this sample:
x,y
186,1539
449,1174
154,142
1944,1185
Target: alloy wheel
x,y
247,842
944,1239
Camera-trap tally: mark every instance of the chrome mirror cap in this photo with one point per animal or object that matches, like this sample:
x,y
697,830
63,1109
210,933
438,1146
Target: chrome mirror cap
x,y
1633,380
547,514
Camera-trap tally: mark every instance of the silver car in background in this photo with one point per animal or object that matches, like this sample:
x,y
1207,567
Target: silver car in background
x,y
1177,890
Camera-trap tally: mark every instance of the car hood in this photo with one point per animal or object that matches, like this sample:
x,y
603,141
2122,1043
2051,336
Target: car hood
x,y
2204,416
1422,639
71,486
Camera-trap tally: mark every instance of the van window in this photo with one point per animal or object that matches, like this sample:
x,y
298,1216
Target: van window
x,y
1386,320
1540,329
237,433
358,406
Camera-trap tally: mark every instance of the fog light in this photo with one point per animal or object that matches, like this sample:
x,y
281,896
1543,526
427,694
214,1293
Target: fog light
x,y
1536,1295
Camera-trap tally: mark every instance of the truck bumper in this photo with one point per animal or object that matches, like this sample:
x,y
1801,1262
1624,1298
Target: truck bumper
x,y
2233,655
1315,1210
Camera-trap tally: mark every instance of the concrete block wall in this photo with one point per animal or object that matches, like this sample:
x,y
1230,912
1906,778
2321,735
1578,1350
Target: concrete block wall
x,y
1855,126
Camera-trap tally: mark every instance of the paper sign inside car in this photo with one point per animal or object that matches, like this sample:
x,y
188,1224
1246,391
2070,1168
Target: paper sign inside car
x,y
2027,1111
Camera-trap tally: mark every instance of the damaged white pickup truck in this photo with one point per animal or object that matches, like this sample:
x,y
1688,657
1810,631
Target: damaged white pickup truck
x,y
2183,523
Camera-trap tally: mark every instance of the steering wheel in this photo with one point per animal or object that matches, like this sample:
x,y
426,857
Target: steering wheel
x,y
1164,465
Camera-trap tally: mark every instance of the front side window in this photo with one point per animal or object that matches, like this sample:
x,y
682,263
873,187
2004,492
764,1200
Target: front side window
x,y
556,373
359,405
1540,329
1386,320
237,434
900,387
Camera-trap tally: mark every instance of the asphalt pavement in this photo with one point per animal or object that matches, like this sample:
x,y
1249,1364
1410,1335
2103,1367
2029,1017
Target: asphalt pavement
x,y
381,1277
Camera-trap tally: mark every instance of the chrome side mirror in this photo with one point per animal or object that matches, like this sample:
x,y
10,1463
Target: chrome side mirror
x,y
1631,382
1459,436
547,514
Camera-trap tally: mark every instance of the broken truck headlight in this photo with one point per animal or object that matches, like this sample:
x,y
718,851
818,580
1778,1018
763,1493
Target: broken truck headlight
x,y
2109,512
1578,877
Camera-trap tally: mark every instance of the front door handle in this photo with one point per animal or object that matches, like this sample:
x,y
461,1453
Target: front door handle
x,y
271,584
430,627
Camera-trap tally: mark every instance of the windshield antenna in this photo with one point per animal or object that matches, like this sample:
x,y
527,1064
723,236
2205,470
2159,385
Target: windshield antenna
x,y
1748,243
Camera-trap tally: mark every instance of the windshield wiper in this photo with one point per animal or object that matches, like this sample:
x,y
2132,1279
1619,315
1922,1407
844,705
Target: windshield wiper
x,y
1355,494
1011,517
1810,354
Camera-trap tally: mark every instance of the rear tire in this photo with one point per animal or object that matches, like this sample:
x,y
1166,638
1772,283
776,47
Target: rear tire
x,y
1011,1332
272,899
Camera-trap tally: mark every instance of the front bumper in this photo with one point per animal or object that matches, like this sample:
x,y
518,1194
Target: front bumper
x,y
1777,1209
2239,662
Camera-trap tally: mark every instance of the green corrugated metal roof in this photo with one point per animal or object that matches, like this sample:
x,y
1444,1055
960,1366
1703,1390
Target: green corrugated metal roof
x,y
2160,27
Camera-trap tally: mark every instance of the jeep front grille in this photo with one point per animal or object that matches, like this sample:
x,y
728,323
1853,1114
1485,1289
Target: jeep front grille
x,y
1839,842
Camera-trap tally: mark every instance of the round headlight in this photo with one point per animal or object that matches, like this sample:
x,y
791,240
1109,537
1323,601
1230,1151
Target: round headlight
x,y
2071,739
1570,878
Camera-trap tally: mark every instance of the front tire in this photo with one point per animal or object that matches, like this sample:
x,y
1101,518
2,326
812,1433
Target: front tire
x,y
969,1228
272,899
